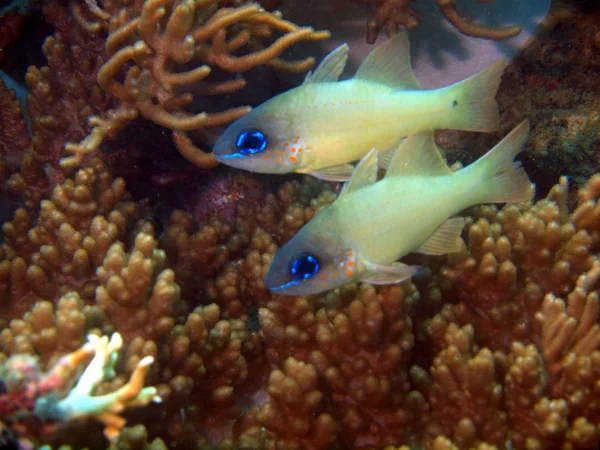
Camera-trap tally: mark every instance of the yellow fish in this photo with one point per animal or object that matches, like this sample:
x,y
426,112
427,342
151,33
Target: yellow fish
x,y
324,124
373,224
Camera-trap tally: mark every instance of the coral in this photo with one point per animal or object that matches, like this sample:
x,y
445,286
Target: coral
x,y
155,50
51,397
45,256
497,345
357,344
64,94
292,419
392,14
228,261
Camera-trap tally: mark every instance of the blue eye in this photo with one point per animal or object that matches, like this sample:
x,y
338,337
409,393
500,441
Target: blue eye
x,y
304,267
251,142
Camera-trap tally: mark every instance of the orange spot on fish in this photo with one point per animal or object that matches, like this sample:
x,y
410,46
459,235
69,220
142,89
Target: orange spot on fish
x,y
337,274
349,273
286,144
293,150
266,157
350,263
296,141
277,160
323,277
350,254
299,149
293,159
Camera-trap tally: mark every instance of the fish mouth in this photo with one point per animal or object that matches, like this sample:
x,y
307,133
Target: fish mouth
x,y
281,287
276,285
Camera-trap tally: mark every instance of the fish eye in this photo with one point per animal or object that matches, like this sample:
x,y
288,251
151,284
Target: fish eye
x,y
250,142
304,267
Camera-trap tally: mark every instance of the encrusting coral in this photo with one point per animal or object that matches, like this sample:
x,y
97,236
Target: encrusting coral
x,y
155,51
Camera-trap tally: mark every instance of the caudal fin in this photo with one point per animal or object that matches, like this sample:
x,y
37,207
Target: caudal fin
x,y
499,179
473,105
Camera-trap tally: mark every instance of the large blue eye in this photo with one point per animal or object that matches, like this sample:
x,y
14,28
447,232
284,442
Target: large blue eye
x,y
251,142
304,267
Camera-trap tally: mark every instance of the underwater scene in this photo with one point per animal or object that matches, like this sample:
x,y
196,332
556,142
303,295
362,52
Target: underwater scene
x,y
300,224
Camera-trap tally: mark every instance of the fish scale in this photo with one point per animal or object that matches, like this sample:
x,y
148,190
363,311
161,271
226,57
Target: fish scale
x,y
410,210
341,121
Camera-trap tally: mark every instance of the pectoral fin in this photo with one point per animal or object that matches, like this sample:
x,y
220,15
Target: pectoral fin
x,y
365,173
396,273
446,238
342,172
385,158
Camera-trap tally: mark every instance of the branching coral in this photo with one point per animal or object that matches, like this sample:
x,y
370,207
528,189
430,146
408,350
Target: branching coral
x,y
51,396
60,249
391,14
155,52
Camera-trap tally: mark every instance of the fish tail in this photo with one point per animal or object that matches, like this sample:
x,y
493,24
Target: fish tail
x,y
474,107
499,179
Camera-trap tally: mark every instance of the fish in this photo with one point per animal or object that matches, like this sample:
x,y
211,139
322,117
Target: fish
x,y
373,224
323,125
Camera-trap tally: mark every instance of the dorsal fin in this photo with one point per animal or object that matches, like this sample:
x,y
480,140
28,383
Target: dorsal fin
x,y
418,155
330,68
365,173
389,64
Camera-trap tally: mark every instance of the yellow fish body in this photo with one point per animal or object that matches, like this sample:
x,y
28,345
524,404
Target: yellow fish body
x,y
373,224
325,124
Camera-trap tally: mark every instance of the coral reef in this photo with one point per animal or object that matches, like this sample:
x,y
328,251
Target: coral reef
x,y
497,346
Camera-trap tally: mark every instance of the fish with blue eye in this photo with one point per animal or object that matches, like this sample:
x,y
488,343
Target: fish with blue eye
x,y
324,125
372,224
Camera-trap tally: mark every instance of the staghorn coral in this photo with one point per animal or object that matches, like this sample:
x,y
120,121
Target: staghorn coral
x,y
392,14
155,51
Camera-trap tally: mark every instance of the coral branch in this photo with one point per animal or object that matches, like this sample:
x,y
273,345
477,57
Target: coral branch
x,y
153,53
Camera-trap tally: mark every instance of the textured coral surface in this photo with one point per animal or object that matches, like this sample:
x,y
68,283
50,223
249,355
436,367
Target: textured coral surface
x,y
496,347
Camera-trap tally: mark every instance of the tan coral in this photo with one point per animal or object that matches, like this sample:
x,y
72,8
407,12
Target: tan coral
x,y
292,418
172,34
61,250
135,292
513,256
358,349
465,395
47,331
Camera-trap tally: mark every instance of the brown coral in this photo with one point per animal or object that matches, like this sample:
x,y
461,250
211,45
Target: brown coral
x,y
392,14
155,51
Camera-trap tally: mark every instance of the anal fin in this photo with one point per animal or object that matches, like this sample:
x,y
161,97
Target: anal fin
x,y
446,238
396,273
342,172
